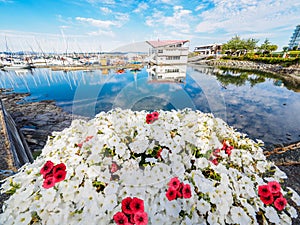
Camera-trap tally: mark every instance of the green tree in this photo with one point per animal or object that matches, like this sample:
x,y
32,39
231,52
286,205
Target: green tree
x,y
239,46
267,47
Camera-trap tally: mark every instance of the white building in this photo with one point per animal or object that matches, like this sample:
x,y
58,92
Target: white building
x,y
212,49
168,52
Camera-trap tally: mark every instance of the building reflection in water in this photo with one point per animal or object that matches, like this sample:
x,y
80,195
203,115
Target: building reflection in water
x,y
167,73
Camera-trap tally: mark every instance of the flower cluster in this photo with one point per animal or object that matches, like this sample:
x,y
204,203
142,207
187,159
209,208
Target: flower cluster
x,y
122,155
53,174
151,117
216,154
271,193
132,212
178,189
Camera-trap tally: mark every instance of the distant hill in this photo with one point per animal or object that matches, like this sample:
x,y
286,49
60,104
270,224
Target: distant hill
x,y
136,47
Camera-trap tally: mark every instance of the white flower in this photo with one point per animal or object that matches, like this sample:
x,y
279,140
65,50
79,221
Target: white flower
x,y
239,216
203,206
295,196
173,208
272,215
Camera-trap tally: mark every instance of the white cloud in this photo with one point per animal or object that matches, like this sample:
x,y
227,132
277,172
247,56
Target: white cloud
x,y
97,23
107,2
105,10
108,33
141,7
238,16
179,20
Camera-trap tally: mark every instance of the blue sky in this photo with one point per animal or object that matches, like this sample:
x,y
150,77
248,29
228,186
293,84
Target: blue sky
x,y
104,25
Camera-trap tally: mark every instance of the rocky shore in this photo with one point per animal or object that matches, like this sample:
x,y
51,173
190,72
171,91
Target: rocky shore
x,y
36,120
292,71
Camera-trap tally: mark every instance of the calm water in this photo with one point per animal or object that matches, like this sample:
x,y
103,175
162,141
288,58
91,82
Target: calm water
x,y
266,108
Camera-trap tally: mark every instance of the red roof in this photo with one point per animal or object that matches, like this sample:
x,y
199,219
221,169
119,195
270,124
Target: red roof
x,y
159,43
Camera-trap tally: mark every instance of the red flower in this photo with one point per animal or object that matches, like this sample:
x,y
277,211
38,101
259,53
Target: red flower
x,y
48,182
171,193
267,199
215,161
120,218
113,168
126,205
155,115
47,168
80,145
228,151
264,190
280,203
59,167
88,138
140,218
186,191
274,187
174,182
216,152
59,175
158,154
137,205
149,116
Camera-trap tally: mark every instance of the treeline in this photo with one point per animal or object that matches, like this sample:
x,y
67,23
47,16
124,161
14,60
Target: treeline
x,y
247,49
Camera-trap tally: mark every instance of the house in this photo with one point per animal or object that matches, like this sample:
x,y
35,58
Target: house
x,y
168,52
211,49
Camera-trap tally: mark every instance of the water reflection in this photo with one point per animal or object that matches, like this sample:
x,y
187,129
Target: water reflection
x,y
263,106
167,73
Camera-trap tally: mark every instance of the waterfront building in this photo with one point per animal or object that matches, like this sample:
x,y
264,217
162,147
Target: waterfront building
x,y
168,52
208,50
295,39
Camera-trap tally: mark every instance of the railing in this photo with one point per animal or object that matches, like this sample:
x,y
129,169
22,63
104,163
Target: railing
x,y
18,145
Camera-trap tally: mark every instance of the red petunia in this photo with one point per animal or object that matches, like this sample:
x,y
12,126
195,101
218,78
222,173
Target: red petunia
x,y
264,190
228,151
280,203
88,138
60,175
137,205
267,199
126,205
49,182
149,116
174,182
171,193
47,168
141,218
120,218
186,191
59,167
216,152
113,168
155,115
215,161
274,187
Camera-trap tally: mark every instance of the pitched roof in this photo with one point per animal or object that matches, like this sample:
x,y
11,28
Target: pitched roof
x,y
159,43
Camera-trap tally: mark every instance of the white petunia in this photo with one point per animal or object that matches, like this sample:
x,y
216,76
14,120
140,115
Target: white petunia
x,y
239,216
272,215
203,206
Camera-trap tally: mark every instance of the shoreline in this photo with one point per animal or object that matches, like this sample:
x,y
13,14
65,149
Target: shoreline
x,y
292,72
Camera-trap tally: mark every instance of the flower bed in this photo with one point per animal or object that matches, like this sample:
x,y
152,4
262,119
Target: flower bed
x,y
125,167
